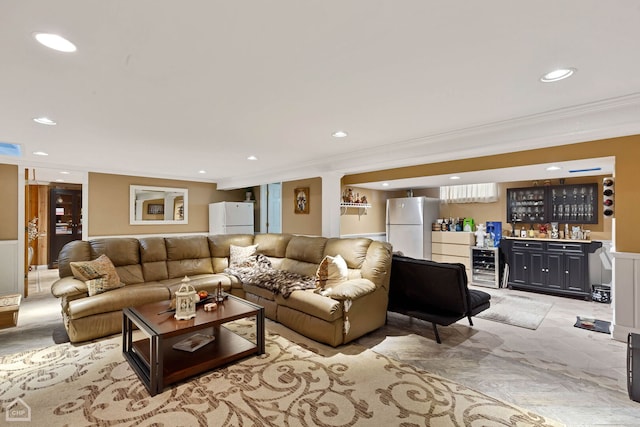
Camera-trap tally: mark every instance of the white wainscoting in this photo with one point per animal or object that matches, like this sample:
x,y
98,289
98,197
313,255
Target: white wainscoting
x,y
9,267
626,294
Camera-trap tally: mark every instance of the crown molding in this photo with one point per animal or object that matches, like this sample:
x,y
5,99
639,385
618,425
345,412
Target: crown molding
x,y
614,117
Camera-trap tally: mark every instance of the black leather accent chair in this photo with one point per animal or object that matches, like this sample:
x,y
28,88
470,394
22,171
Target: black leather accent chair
x,y
433,291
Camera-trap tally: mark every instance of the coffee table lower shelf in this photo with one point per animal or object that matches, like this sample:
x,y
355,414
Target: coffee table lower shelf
x,y
179,365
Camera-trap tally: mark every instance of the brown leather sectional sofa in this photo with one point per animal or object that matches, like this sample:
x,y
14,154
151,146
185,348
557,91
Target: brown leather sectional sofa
x,y
152,269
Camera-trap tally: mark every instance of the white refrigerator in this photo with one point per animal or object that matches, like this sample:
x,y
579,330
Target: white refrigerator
x,y
231,218
409,221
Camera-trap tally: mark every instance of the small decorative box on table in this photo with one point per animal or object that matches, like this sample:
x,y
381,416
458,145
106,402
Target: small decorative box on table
x,y
9,306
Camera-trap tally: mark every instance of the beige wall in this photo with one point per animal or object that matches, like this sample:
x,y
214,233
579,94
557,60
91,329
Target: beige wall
x,y
359,221
9,213
109,205
626,151
309,224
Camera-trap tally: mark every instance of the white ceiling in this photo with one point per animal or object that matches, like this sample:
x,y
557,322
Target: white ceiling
x,y
166,88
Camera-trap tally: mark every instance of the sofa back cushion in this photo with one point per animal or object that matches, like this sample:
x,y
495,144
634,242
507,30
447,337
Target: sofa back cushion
x,y
153,254
304,254
272,245
219,247
353,250
306,248
76,250
124,252
188,256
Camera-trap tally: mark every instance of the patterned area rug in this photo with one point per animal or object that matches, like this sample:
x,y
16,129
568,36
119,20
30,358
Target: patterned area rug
x,y
515,310
305,384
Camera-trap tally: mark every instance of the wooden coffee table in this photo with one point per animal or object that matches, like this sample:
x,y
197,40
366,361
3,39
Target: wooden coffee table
x,y
158,364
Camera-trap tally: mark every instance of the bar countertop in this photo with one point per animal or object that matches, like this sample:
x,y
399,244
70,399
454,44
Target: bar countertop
x,y
548,239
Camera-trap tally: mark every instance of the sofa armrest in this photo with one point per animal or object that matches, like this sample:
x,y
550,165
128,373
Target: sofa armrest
x,y
349,290
68,286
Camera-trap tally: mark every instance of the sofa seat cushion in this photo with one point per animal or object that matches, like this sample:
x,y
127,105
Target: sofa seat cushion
x,y
478,301
117,299
261,292
313,304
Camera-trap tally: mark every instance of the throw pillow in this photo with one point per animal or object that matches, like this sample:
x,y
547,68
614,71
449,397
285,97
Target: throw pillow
x,y
238,254
100,275
331,271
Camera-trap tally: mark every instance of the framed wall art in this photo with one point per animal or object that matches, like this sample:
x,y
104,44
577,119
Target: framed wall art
x,y
155,209
301,200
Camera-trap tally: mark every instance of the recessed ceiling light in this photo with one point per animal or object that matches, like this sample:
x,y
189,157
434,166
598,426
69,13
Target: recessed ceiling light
x,y
252,158
556,75
40,153
385,184
65,173
59,180
339,134
454,177
55,42
202,171
554,168
45,121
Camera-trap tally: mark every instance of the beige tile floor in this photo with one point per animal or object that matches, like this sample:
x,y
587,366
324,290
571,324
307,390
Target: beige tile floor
x,y
573,375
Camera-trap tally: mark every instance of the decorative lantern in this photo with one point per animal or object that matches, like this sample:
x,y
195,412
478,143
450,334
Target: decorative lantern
x,y
186,298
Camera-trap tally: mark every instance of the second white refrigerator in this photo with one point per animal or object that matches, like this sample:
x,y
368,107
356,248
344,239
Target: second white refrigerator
x,y
409,222
231,218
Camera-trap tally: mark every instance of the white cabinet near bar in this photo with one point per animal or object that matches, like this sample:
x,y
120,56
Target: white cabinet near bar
x,y
453,246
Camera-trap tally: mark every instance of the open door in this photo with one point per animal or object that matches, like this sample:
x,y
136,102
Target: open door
x,y
26,232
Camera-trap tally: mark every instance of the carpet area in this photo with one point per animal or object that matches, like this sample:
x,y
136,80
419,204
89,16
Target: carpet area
x,y
299,383
515,310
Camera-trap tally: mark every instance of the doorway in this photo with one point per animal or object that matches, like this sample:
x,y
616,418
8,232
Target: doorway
x,y
53,206
65,219
271,217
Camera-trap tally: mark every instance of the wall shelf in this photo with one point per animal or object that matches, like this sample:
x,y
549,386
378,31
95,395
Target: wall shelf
x,y
362,207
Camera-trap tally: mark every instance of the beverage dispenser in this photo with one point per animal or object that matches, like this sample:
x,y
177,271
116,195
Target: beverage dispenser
x,y
494,232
